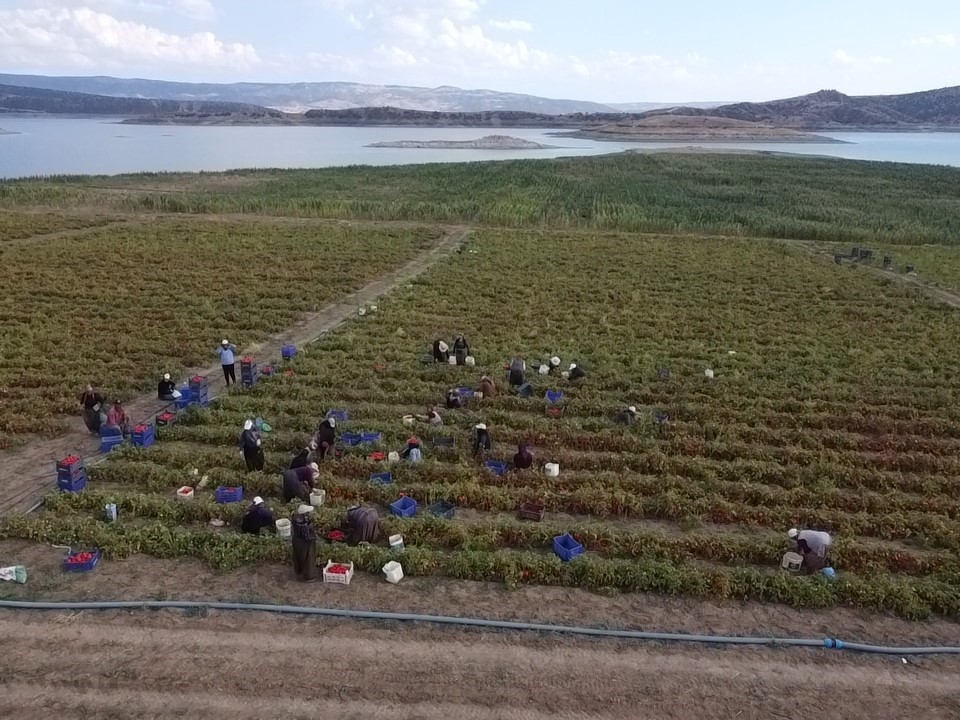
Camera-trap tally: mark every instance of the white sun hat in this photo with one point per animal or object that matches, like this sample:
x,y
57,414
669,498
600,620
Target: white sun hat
x,y
443,346
304,509
166,376
573,366
224,342
315,468
248,424
258,500
333,422
632,408
481,426
792,533
555,361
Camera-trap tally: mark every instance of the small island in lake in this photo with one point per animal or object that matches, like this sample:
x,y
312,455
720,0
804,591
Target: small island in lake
x,y
489,142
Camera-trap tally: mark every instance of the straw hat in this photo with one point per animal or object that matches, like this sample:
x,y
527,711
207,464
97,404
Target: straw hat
x,y
481,426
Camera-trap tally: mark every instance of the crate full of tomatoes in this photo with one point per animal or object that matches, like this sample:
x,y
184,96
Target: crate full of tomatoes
x,y
81,560
341,573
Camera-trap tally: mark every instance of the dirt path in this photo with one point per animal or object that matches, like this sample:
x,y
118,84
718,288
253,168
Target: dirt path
x,y
72,233
28,472
235,666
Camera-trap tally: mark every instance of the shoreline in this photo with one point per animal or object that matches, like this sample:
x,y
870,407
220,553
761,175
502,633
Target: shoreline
x,y
799,138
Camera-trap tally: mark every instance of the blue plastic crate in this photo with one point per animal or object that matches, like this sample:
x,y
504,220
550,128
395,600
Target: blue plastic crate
x,y
110,442
338,415
525,390
554,397
371,438
466,393
566,548
351,439
288,352
404,507
498,467
226,495
660,417
183,402
144,438
72,485
199,383
71,471
382,478
443,509
84,566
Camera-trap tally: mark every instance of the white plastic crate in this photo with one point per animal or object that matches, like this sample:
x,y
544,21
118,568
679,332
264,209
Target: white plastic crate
x,y
343,579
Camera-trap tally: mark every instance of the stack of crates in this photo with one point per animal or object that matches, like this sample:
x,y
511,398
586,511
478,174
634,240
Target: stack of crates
x,y
199,391
186,396
71,474
248,371
144,436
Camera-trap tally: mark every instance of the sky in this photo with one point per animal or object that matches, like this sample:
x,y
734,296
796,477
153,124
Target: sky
x,y
601,50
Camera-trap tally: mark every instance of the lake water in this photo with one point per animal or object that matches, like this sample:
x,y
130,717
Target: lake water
x,y
52,146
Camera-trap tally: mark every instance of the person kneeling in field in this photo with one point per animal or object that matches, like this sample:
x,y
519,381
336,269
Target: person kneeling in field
x,y
813,545
412,452
363,525
454,401
298,483
523,460
432,417
325,438
303,538
118,418
576,372
257,517
487,388
167,389
441,352
627,417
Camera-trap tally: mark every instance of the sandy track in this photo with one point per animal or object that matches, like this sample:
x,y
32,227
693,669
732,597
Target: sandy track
x,y
28,472
254,666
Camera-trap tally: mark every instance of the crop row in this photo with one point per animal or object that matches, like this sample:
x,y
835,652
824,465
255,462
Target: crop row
x,y
501,532
912,598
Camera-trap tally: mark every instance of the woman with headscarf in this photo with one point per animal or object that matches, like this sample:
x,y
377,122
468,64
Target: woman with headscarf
x,y
302,458
487,388
461,348
576,372
303,537
523,460
481,441
92,402
252,446
454,401
516,372
412,452
363,525
298,483
431,417
441,352
325,438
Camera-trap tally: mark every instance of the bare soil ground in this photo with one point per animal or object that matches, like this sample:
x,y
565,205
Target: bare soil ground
x,y
26,473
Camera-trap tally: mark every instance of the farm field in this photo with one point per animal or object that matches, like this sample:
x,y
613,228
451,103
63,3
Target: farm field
x,y
119,306
831,406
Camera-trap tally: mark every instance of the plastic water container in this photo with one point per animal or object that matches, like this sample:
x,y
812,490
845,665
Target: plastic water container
x,y
544,370
393,571
708,373
452,360
361,311
396,542
283,528
317,497
409,420
470,360
110,510
185,493
393,456
791,562
552,469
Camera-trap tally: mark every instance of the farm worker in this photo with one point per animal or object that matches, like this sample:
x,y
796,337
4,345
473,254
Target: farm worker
x,y
454,401
363,525
302,458
441,351
252,446
227,352
257,517
298,483
304,542
523,460
166,389
91,401
325,437
813,545
554,364
412,451
576,372
481,441
518,369
487,387
432,417
118,418
627,417
461,349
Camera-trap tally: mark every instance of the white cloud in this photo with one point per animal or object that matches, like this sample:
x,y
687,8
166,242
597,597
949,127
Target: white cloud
x,y
512,25
945,40
53,37
858,63
202,10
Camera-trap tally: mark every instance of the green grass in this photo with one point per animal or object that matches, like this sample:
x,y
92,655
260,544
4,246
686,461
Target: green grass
x,y
772,196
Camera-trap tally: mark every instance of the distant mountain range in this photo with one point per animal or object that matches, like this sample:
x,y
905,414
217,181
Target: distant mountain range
x,y
300,97
829,109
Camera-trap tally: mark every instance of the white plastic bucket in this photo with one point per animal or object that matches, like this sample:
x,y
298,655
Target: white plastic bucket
x,y
791,561
393,571
283,528
478,395
317,497
708,373
409,420
396,542
185,493
452,360
361,311
394,456
544,370
469,360
552,469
